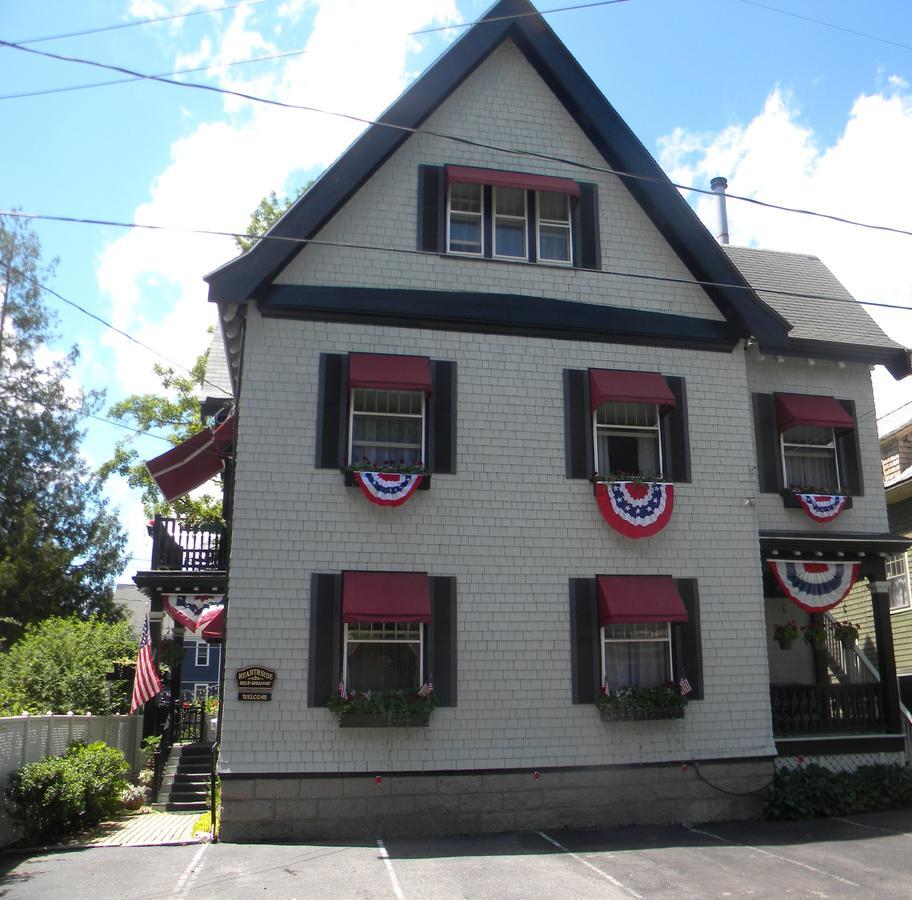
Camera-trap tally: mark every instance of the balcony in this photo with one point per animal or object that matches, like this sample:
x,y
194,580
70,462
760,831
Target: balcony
x,y
177,547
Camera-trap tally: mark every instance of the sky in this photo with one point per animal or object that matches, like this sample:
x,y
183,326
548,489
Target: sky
x,y
804,103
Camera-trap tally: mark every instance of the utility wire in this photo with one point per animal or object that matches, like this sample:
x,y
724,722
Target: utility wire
x,y
134,24
427,253
454,138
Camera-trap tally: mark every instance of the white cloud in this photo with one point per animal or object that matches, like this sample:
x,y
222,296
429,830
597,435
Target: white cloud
x,y
863,175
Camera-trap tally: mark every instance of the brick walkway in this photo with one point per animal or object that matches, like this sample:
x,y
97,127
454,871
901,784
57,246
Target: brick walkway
x,y
150,829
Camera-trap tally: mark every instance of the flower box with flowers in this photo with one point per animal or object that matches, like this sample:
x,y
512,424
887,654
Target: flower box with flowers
x,y
383,709
639,704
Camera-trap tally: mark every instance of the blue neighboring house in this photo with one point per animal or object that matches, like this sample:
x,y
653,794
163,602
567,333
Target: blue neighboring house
x,y
200,668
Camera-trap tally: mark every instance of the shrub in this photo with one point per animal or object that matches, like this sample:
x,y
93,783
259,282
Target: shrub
x,y
62,794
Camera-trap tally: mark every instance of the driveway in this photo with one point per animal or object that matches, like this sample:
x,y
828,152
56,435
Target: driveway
x,y
858,856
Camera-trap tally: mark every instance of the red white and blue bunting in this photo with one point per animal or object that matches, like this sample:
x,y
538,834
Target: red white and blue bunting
x,y
634,508
193,611
815,586
387,488
822,507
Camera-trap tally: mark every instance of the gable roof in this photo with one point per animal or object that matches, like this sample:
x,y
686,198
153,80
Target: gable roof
x,y
248,275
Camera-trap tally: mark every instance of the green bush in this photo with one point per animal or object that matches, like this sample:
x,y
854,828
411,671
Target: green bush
x,y
63,794
812,792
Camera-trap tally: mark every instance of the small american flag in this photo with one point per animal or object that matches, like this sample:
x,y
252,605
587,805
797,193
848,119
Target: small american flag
x,y
146,683
605,689
684,685
426,689
342,689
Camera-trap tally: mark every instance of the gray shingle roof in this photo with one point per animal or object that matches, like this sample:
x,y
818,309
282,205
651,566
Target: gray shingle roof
x,y
820,320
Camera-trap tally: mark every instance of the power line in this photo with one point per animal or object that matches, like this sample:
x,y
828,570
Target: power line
x,y
456,139
121,25
427,253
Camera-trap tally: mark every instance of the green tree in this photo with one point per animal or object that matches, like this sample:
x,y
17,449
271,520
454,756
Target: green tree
x,y
177,412
59,547
269,210
60,665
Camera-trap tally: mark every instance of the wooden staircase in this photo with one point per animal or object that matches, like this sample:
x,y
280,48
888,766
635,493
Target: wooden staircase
x,y
187,779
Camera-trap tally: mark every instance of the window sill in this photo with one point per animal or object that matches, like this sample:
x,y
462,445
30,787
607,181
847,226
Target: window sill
x,y
621,713
424,486
382,720
504,260
790,501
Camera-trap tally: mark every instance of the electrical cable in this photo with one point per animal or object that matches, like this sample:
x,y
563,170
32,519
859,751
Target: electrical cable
x,y
722,790
456,139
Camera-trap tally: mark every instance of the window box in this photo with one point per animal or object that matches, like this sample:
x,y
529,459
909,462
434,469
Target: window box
x,y
384,720
790,499
382,709
622,713
641,704
349,472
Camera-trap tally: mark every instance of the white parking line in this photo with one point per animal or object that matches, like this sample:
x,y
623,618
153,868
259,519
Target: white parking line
x,y
589,865
794,862
397,890
186,880
871,827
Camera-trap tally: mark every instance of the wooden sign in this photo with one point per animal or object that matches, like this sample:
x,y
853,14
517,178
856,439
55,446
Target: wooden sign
x,y
255,677
257,696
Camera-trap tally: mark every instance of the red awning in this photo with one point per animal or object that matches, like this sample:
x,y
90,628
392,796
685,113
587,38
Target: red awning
x,y
606,385
385,597
632,599
213,630
807,409
185,467
469,175
389,373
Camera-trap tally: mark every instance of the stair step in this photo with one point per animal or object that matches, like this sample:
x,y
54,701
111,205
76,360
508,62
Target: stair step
x,y
181,807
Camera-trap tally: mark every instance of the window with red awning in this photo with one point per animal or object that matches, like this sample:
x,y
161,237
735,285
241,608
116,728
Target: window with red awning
x,y
385,597
813,411
634,599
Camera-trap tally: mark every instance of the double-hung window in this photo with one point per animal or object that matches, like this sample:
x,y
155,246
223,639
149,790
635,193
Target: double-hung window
x,y
465,212
626,420
554,236
510,228
383,656
898,581
636,655
202,653
386,427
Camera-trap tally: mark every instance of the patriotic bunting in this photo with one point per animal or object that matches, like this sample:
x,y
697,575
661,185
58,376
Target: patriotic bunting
x,y
146,683
193,611
822,507
387,488
815,587
634,508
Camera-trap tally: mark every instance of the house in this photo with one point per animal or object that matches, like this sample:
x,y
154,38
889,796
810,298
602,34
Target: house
x,y
483,323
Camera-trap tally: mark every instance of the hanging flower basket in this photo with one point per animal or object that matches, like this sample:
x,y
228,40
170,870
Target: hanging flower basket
x,y
636,509
785,634
846,633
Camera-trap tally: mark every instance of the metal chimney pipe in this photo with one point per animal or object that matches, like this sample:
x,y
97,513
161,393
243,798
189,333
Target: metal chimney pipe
x,y
718,185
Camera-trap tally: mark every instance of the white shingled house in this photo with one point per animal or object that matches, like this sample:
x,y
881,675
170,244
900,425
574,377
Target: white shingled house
x,y
529,469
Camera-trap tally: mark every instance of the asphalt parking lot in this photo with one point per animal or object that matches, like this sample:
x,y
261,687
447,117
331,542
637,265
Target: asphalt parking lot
x,y
858,856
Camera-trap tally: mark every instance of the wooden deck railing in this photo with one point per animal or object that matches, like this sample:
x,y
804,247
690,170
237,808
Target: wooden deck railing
x,y
182,548
804,709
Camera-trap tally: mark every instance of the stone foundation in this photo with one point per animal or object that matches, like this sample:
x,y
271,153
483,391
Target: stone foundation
x,y
351,806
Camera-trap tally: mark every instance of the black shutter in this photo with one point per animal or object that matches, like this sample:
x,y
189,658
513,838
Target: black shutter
x,y
431,209
442,418
769,450
442,640
588,243
688,649
849,454
577,424
675,433
324,657
584,638
332,411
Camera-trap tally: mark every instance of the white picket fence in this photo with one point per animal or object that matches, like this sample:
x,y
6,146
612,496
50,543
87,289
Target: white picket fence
x,y
25,739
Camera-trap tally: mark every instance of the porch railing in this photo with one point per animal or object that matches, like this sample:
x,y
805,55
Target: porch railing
x,y
855,666
179,547
803,709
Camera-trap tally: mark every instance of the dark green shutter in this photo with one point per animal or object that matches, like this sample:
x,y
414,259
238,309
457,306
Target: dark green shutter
x,y
769,450
585,665
431,209
577,424
332,411
442,640
688,649
675,433
849,454
442,418
588,242
324,668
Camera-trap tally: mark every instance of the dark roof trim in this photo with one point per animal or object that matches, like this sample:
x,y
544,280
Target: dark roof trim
x,y
897,360
247,276
497,314
174,582
832,541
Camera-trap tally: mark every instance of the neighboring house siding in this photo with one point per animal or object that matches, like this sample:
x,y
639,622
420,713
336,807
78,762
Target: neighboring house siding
x,y
192,674
901,523
503,103
852,382
512,529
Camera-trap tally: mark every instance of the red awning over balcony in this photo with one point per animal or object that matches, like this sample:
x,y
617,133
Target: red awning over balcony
x,y
808,409
213,629
633,599
496,178
385,597
619,386
386,372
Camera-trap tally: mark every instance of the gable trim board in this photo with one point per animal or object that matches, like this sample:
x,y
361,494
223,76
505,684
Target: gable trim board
x,y
247,276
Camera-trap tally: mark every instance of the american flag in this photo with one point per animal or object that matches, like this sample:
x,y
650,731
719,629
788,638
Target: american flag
x,y
342,689
426,689
146,683
684,685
